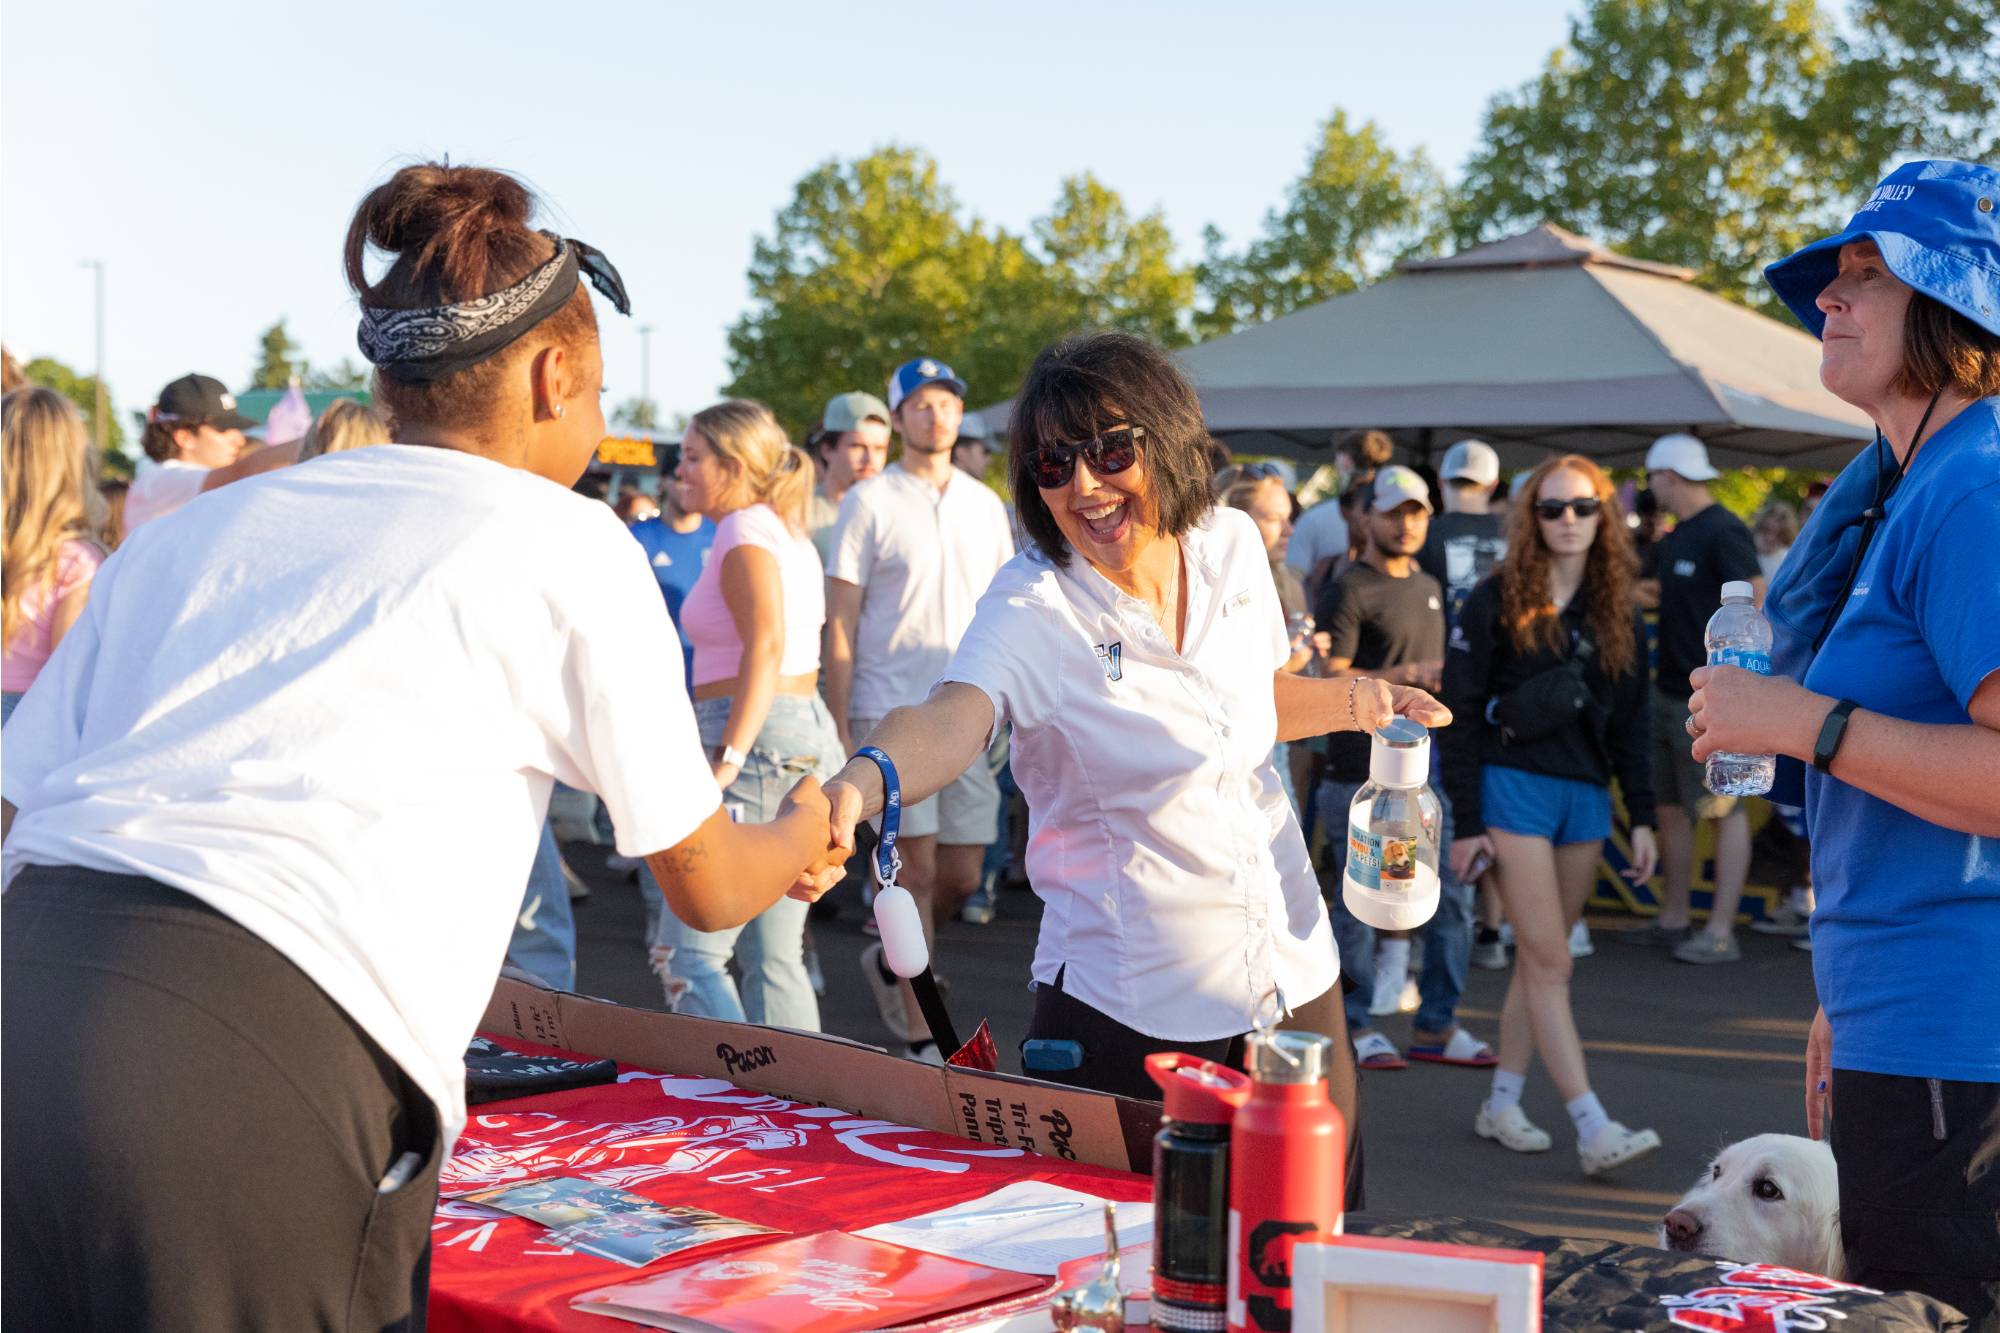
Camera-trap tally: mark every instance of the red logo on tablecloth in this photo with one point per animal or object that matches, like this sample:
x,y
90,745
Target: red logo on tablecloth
x,y
1760,1298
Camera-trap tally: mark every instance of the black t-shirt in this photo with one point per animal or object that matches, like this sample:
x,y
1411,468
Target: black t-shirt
x,y
1461,550
1377,621
1692,563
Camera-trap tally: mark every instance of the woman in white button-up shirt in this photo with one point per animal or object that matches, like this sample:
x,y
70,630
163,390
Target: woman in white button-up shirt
x,y
1145,687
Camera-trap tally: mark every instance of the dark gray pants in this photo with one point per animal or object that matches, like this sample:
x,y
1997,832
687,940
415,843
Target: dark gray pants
x,y
194,1133
1920,1188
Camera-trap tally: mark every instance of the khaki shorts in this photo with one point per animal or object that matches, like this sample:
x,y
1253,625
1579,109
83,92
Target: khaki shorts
x,y
1677,774
965,814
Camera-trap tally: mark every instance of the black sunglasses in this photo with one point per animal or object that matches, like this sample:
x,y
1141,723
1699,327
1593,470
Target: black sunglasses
x,y
602,274
1584,507
1051,468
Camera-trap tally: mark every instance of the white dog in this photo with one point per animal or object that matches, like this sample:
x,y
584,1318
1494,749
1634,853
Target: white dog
x,y
1771,1199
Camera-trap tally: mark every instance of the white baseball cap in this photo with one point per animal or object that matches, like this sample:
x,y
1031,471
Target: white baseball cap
x,y
1396,485
1682,455
1471,460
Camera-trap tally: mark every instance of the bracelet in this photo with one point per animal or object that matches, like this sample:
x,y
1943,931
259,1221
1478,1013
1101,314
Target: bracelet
x,y
728,754
1353,716
887,863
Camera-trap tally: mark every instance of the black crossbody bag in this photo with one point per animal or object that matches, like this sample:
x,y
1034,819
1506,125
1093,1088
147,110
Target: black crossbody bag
x,y
1547,702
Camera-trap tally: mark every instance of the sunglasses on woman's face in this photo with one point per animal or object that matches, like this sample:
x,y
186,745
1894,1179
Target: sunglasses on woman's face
x,y
1584,507
1112,452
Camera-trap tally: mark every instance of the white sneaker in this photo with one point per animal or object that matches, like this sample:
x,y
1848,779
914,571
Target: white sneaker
x,y
1579,941
1615,1145
888,993
1511,1129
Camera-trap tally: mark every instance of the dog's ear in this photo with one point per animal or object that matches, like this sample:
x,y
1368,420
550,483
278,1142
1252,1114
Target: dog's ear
x,y
1833,1262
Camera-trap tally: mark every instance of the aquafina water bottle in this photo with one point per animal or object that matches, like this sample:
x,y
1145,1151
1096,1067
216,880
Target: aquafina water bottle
x,y
1738,635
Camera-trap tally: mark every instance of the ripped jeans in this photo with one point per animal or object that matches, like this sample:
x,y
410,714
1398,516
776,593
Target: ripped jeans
x,y
798,738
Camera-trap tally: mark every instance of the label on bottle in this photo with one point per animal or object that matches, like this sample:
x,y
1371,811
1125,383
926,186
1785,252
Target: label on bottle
x,y
1381,863
1747,658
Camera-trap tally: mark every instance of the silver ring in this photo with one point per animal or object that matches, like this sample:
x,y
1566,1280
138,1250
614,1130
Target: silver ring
x,y
1691,727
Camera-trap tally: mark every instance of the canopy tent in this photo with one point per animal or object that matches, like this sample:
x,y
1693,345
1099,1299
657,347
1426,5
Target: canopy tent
x,y
1541,343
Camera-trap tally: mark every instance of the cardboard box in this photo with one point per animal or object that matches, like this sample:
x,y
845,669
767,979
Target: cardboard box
x,y
996,1109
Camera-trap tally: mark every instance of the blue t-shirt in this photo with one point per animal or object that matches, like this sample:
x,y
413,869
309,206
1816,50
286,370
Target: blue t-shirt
x,y
677,558
1906,934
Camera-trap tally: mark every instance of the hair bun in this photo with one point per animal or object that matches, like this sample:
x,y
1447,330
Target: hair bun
x,y
456,233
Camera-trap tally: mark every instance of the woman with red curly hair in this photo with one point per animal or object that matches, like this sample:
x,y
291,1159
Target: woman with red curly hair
x,y
1547,676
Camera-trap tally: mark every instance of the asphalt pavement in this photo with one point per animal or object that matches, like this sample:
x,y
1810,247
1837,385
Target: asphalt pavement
x,y
1703,1054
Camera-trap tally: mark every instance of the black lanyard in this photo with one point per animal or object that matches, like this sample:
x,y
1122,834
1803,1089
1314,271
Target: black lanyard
x,y
1872,516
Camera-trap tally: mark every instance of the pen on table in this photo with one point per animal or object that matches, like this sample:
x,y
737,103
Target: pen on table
x,y
1002,1215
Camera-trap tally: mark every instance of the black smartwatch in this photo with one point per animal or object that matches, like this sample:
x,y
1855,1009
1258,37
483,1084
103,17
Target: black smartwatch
x,y
1830,733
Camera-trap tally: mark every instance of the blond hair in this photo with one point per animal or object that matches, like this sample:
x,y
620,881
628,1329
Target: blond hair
x,y
772,470
47,472
346,424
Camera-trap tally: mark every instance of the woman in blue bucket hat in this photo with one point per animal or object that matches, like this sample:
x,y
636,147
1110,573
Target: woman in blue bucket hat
x,y
1886,688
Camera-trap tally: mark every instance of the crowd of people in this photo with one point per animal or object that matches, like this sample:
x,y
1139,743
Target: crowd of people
x,y
285,755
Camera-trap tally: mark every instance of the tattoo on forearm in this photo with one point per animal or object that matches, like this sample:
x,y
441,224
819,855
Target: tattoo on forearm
x,y
682,860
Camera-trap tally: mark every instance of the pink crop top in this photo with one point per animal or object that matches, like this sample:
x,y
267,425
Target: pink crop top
x,y
28,651
705,619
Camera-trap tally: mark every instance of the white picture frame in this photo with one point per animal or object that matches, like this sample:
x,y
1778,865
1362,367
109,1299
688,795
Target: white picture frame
x,y
1369,1284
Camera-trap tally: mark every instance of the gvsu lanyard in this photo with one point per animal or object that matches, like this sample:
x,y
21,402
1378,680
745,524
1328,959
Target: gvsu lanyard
x,y
903,947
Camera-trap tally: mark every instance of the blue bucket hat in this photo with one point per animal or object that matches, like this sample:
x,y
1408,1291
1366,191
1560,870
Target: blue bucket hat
x,y
1937,225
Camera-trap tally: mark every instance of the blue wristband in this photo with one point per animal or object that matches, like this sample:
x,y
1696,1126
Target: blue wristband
x,y
886,862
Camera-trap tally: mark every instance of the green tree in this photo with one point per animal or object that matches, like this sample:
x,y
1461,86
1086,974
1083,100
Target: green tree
x,y
345,376
873,262
82,390
1358,207
1919,79
1109,269
1683,131
633,414
278,359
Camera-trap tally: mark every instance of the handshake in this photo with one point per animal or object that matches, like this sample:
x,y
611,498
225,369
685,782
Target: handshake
x,y
823,820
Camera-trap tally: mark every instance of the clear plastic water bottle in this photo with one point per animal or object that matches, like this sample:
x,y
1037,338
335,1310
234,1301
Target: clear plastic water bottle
x,y
1738,635
1393,829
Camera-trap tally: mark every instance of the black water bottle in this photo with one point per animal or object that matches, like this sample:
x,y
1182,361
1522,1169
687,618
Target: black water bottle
x,y
1191,1191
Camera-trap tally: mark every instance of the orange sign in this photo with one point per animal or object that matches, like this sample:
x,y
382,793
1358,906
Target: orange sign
x,y
625,451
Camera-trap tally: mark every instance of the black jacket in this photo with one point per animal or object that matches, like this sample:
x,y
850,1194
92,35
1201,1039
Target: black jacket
x,y
1612,739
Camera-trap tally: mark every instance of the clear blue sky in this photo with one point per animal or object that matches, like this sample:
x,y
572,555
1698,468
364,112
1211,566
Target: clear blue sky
x,y
211,153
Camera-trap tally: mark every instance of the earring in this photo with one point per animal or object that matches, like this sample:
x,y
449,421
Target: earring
x,y
557,409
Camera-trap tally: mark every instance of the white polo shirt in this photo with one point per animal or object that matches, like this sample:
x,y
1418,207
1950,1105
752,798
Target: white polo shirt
x,y
331,706
1177,885
921,557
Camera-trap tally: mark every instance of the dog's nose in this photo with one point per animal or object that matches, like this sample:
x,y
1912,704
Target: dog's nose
x,y
1682,1229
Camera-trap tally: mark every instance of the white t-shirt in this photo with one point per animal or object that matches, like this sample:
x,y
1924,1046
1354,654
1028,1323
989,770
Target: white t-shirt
x,y
1177,885
1320,532
705,618
331,708
161,489
921,558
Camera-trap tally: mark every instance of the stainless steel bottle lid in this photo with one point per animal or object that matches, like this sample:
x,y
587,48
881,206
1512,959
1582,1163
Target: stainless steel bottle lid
x,y
1287,1057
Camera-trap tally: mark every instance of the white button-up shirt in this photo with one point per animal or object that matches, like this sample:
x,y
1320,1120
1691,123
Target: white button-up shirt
x,y
1177,888
921,557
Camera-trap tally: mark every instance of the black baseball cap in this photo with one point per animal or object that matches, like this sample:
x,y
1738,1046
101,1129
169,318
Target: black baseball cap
x,y
203,401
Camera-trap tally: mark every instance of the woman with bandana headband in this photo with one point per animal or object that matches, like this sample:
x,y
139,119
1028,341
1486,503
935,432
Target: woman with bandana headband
x,y
271,802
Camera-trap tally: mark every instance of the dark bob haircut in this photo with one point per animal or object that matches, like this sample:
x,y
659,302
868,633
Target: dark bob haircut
x,y
1942,349
1081,387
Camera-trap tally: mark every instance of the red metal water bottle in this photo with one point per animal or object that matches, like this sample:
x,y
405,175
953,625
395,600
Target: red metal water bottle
x,y
1288,1160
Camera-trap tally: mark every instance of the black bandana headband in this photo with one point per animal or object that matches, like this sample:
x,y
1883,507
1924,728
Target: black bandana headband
x,y
426,344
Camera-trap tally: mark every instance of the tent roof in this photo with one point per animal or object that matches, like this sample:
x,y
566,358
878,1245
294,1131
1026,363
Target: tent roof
x,y
1543,342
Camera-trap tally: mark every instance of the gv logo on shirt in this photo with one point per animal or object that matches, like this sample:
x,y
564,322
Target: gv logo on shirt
x,y
1111,658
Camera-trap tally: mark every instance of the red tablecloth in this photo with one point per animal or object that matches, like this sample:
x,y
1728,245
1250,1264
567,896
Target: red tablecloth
x,y
698,1141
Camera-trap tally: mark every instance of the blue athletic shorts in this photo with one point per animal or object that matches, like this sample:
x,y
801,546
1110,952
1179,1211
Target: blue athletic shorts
x,y
1562,810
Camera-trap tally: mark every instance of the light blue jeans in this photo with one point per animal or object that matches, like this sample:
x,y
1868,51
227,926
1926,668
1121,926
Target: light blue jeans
x,y
798,739
1447,935
545,932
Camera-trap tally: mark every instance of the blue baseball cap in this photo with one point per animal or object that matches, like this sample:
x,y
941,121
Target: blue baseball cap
x,y
914,375
1937,225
